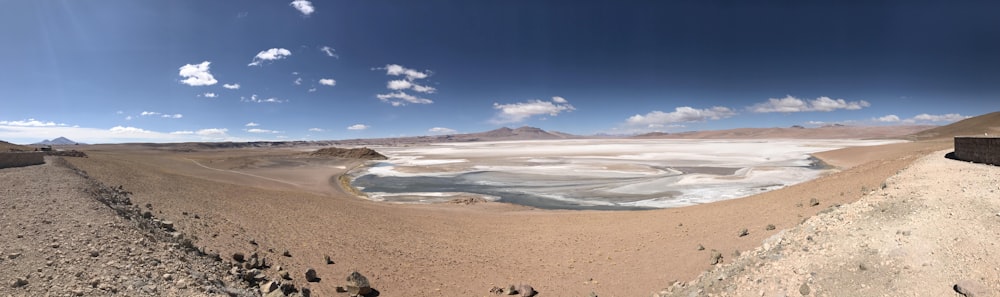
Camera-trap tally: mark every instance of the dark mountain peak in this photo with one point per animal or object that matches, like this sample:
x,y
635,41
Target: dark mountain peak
x,y
57,141
529,129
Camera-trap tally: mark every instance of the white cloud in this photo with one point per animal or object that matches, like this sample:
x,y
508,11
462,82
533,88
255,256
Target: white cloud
x,y
558,99
888,119
182,133
197,75
327,82
210,95
424,89
441,130
303,6
254,99
680,115
255,130
30,123
252,124
311,90
357,127
398,84
329,51
404,97
119,112
411,74
128,130
298,81
951,117
212,132
149,113
231,86
517,112
399,97
270,55
128,118
315,130
792,104
173,116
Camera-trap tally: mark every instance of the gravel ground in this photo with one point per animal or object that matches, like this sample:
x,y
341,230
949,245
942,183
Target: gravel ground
x,y
58,240
930,230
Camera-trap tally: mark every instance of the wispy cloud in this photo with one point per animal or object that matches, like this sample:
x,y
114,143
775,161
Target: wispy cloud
x,y
315,130
400,97
792,104
149,113
298,81
329,51
212,132
358,127
328,82
254,99
888,119
441,130
659,119
923,118
270,55
197,75
255,130
951,117
252,124
231,86
30,123
210,95
517,112
303,6
172,116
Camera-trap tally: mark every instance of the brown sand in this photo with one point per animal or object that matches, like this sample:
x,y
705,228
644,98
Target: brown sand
x,y
464,250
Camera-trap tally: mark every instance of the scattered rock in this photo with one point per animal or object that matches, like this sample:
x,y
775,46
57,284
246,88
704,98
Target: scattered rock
x,y
357,284
862,267
511,290
528,291
326,258
19,282
285,275
592,294
168,225
268,287
969,288
813,202
311,276
804,289
239,257
13,255
770,227
701,247
286,253
716,257
94,253
744,232
495,290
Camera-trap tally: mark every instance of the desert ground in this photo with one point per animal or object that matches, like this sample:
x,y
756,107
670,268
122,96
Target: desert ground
x,y
458,249
293,209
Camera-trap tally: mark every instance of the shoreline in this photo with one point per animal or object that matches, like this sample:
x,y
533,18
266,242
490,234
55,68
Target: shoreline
x,y
344,183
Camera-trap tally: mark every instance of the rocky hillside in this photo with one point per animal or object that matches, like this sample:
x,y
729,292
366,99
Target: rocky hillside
x,y
797,132
10,147
66,235
363,153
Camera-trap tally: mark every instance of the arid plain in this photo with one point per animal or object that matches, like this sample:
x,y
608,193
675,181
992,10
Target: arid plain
x,y
457,249
271,200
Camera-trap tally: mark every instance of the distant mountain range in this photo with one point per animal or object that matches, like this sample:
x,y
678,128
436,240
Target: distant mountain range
x,y
57,141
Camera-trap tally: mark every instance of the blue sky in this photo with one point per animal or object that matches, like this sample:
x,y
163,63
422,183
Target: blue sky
x,y
166,71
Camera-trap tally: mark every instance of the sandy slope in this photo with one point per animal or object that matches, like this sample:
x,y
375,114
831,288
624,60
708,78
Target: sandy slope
x,y
464,250
933,226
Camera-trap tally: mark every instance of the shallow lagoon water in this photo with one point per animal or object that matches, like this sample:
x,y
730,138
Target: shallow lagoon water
x,y
594,174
